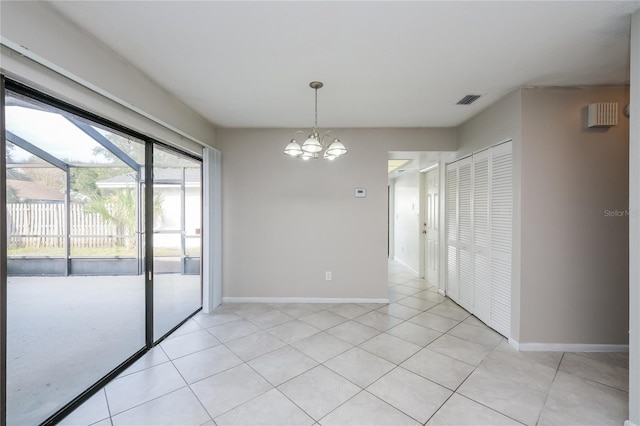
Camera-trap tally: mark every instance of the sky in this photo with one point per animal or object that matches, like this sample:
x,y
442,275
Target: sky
x,y
52,133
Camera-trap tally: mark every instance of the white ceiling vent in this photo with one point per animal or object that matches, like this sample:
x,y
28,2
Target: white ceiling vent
x,y
602,114
468,99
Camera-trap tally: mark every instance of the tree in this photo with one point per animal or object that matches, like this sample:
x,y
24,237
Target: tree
x,y
119,208
84,179
12,195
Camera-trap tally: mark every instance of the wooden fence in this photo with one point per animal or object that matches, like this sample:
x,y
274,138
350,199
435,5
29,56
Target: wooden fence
x,y
42,225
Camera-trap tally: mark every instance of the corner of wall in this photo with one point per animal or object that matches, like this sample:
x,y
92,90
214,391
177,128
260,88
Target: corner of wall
x,y
570,175
500,122
634,226
50,54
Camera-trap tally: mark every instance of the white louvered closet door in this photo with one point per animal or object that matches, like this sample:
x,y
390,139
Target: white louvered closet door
x,y
501,222
452,229
481,233
465,235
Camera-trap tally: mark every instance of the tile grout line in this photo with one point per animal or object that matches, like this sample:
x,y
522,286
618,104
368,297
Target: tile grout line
x,y
589,379
546,398
188,384
106,399
278,390
478,402
152,399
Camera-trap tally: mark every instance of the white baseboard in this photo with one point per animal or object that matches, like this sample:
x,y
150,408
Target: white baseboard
x,y
406,266
629,423
300,300
442,292
567,347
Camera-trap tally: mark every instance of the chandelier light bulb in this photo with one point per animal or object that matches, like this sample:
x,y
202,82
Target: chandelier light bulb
x,y
312,144
293,148
336,148
307,156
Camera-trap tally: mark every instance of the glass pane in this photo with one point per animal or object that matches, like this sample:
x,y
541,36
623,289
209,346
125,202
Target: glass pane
x,y
105,213
36,213
177,227
104,246
130,146
167,205
167,245
16,155
193,245
65,332
41,246
54,133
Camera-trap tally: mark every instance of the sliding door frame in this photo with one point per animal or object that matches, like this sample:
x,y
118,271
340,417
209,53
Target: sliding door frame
x,y
3,262
8,84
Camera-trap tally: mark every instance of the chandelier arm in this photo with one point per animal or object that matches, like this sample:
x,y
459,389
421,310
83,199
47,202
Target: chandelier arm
x,y
327,133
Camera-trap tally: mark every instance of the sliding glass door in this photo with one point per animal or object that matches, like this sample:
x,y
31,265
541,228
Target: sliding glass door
x,y
76,208
69,231
177,290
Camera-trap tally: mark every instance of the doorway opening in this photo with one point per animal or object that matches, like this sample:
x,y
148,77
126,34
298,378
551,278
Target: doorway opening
x,y
415,212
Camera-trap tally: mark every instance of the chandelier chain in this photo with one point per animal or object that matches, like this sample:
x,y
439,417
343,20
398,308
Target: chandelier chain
x,y
316,126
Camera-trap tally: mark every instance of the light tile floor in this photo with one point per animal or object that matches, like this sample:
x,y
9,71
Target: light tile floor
x,y
419,360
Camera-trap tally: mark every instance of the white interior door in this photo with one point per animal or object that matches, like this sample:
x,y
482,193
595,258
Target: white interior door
x,y
431,228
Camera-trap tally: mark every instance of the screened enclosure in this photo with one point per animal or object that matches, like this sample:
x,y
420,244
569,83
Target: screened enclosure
x,y
74,197
87,200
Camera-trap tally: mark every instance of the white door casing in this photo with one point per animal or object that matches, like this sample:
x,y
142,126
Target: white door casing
x,y
431,228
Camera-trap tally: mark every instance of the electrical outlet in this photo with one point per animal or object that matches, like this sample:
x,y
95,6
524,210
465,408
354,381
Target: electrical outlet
x,y
327,276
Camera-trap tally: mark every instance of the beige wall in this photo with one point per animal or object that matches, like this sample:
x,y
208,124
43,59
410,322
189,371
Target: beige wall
x,y
570,264
500,122
574,257
286,222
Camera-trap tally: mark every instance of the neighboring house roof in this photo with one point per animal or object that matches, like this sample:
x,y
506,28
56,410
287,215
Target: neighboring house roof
x,y
28,190
192,177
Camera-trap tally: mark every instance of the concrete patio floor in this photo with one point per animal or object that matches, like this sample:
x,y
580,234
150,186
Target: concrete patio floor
x,y
65,333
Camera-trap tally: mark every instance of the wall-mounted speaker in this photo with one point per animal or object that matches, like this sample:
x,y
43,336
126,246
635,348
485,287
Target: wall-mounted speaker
x,y
602,114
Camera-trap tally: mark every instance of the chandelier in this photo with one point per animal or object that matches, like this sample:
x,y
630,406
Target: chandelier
x,y
315,146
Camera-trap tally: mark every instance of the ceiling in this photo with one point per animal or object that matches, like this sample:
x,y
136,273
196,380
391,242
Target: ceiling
x,y
384,64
